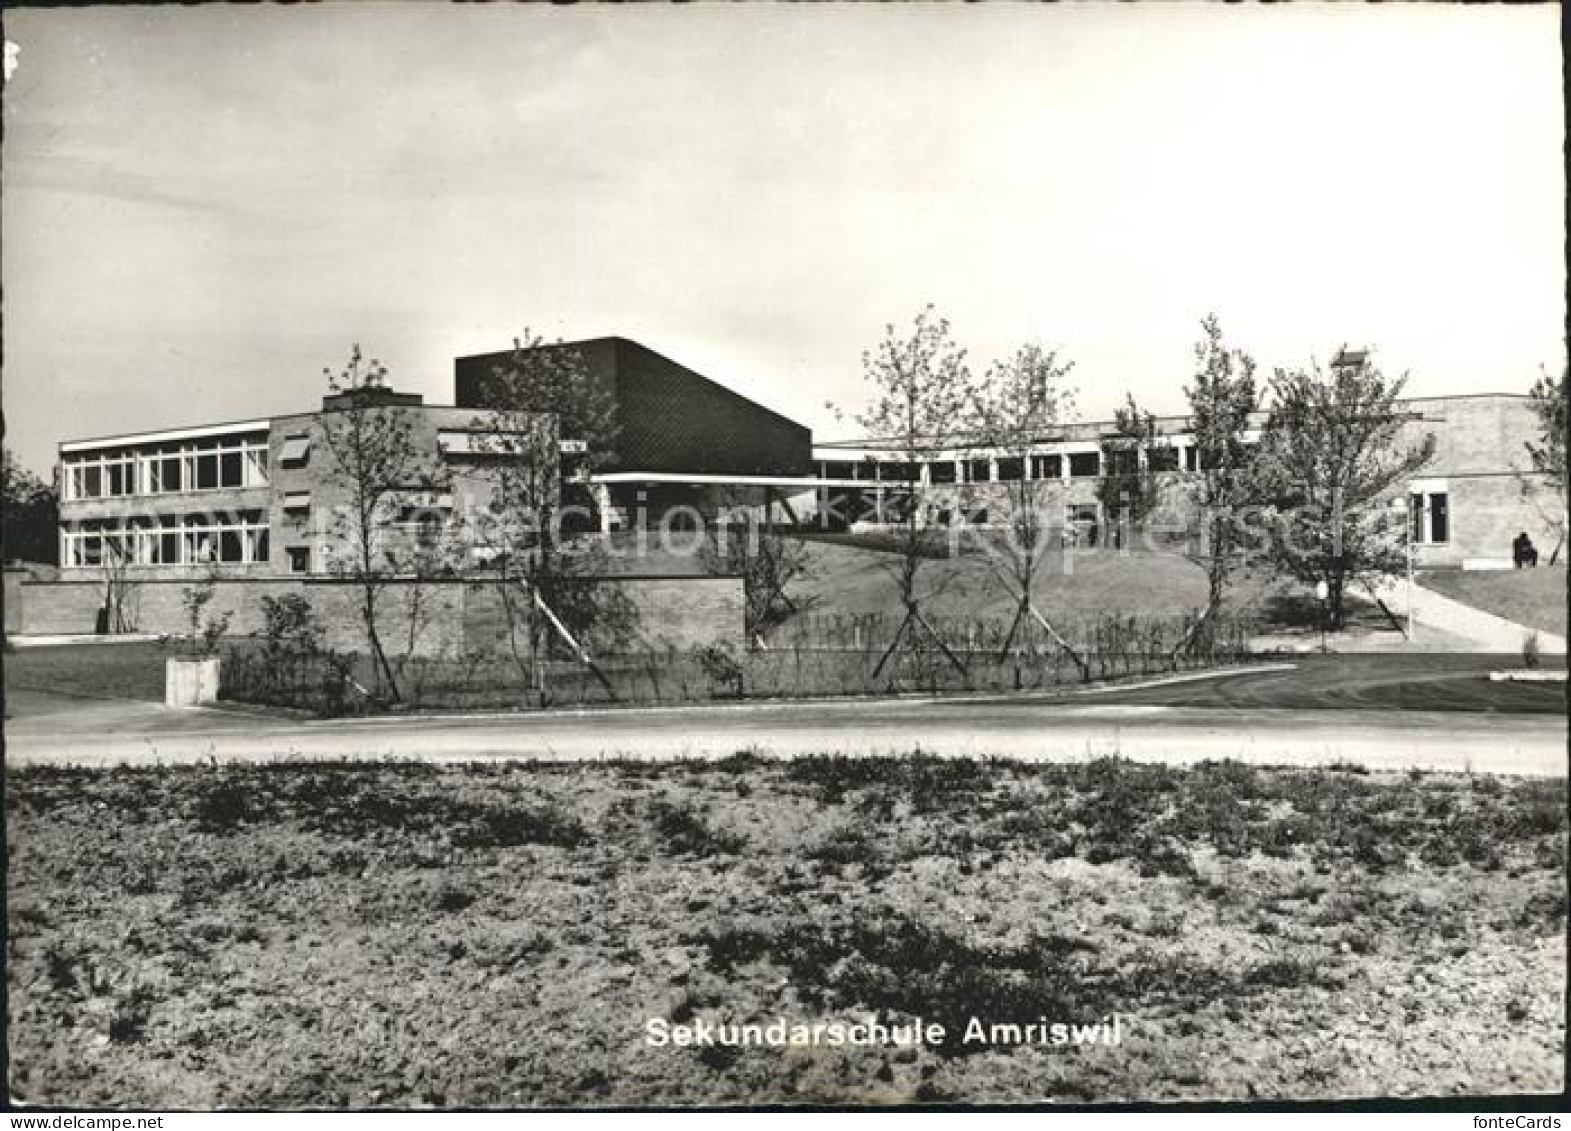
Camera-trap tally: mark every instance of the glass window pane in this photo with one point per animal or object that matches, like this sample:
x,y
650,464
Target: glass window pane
x,y
231,470
206,472
256,469
1439,518
92,479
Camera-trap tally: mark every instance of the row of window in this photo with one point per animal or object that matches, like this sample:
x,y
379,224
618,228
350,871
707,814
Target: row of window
x,y
204,465
1011,469
167,540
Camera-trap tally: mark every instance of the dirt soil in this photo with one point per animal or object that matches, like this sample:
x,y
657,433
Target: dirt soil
x,y
405,935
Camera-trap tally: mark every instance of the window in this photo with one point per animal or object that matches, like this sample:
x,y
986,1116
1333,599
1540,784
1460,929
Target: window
x,y
299,559
296,450
1122,461
1047,467
839,470
231,470
978,471
941,471
1011,469
1084,465
1163,459
192,539
256,467
1439,518
207,471
1430,515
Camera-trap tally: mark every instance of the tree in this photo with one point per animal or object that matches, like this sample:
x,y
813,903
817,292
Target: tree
x,y
1133,457
1222,397
921,390
543,400
31,530
1019,403
1548,398
376,466
1329,457
745,544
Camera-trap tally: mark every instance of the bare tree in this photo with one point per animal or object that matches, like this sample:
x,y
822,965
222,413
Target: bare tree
x,y
376,465
1222,398
1020,403
549,425
1134,456
121,594
921,390
1548,399
1328,457
743,542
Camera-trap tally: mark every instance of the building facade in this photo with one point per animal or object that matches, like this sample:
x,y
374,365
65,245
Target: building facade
x,y
1463,508
257,498
266,498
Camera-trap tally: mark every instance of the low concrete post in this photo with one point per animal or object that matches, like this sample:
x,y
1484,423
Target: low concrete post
x,y
190,682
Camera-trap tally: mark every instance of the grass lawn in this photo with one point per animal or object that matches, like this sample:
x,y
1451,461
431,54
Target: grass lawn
x,y
1534,597
403,934
855,580
101,671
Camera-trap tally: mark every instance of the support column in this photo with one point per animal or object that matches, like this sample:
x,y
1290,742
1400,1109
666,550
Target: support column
x,y
602,496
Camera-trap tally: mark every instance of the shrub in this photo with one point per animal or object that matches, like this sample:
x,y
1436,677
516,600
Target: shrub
x,y
685,833
720,664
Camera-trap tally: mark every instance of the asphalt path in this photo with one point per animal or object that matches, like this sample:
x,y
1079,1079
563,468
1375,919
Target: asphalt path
x,y
1073,729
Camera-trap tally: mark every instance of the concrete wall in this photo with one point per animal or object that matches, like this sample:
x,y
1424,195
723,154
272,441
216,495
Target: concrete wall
x,y
422,618
14,580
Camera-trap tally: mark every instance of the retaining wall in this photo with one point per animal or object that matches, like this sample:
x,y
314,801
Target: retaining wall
x,y
417,617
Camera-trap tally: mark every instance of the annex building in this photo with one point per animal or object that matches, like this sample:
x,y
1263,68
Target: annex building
x,y
1463,509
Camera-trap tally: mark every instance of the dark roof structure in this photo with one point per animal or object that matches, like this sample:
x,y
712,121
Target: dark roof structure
x,y
669,418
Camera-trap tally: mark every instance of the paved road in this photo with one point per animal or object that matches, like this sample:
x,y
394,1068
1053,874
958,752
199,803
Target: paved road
x,y
1046,730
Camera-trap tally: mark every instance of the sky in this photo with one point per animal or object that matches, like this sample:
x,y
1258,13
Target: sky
x,y
203,207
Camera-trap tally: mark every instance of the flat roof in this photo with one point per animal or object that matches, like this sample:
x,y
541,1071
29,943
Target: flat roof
x,y
198,431
1084,427
129,439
